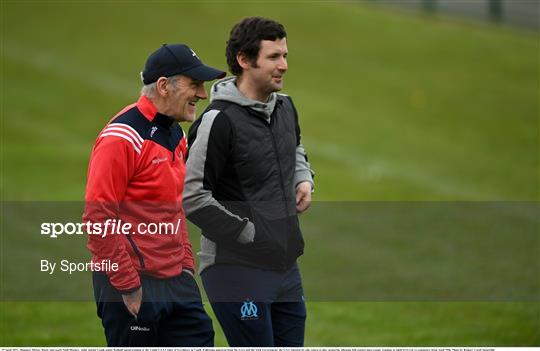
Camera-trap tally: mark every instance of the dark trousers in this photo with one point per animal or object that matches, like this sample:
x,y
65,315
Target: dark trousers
x,y
257,308
171,314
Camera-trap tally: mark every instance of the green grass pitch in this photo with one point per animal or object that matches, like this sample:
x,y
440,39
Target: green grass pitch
x,y
393,107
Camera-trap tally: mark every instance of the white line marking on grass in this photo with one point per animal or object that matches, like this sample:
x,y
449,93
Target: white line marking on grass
x,y
54,64
51,63
376,167
373,168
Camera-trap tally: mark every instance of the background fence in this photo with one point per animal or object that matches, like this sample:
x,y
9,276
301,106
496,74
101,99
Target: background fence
x,y
514,12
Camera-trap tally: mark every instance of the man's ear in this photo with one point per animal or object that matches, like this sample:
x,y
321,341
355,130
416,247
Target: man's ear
x,y
162,86
243,60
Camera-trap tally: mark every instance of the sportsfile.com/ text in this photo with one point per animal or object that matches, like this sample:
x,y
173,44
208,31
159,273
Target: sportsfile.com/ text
x,y
110,226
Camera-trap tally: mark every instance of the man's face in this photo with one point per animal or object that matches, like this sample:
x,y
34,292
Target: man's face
x,y
183,96
271,65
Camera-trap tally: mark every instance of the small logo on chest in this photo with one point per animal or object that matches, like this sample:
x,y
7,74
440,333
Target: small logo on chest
x,y
152,131
159,160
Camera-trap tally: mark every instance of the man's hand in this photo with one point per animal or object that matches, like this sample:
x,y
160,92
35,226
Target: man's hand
x,y
303,196
133,301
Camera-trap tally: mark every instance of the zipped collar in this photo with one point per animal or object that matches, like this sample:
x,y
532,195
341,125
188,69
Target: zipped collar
x,y
147,108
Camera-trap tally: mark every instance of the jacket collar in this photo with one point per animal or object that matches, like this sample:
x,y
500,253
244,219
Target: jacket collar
x,y
151,113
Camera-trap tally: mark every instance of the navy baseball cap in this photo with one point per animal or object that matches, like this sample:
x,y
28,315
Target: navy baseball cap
x,y
173,59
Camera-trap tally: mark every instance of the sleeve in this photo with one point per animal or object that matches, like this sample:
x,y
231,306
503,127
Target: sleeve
x,y
209,150
303,171
112,164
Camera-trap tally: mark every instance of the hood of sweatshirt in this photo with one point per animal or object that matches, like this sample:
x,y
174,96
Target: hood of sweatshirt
x,y
225,89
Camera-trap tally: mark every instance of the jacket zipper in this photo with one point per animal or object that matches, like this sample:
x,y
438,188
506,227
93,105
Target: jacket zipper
x,y
136,249
279,168
274,144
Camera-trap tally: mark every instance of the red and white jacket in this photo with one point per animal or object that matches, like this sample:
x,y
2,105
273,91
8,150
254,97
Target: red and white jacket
x,y
136,175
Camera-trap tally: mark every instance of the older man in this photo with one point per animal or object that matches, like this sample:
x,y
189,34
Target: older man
x,y
136,175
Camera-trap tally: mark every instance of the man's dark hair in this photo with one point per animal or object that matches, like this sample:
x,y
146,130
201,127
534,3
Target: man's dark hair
x,y
246,38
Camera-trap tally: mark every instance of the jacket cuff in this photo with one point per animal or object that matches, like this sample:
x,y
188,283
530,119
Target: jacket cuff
x,y
303,176
247,235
